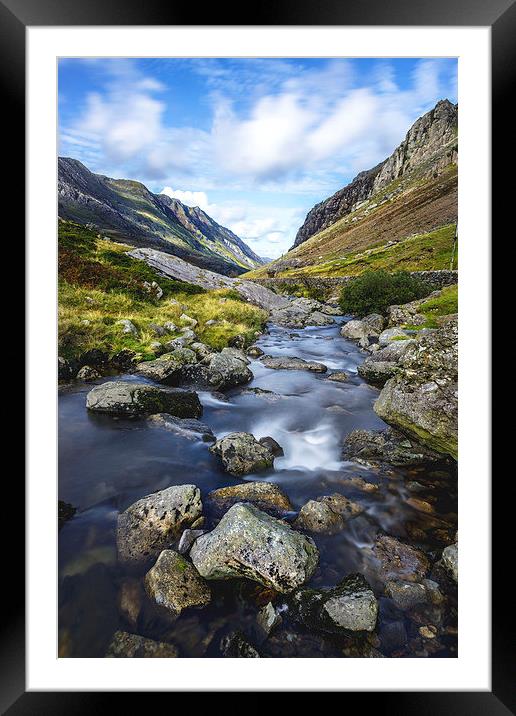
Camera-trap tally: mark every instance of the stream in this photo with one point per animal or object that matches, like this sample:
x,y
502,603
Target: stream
x,y
105,464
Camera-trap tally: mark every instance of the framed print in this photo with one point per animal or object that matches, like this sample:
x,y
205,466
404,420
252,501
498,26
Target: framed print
x,y
260,254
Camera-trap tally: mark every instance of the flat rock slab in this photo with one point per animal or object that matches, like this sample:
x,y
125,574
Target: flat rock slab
x,y
133,399
174,584
126,645
174,267
292,363
249,543
264,495
150,525
185,427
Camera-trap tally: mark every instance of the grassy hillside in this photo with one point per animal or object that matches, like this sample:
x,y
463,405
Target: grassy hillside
x,y
409,225
99,284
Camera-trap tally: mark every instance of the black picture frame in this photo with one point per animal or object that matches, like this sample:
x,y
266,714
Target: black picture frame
x,y
15,17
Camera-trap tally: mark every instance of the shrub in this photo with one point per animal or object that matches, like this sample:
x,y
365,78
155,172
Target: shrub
x,y
375,291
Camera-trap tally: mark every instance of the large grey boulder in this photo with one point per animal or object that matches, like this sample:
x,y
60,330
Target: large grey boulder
x,y
265,495
327,514
249,543
132,646
292,363
242,454
151,524
349,607
129,398
422,398
228,368
174,584
374,447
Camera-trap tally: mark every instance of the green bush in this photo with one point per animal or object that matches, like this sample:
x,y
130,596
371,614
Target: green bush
x,y
375,291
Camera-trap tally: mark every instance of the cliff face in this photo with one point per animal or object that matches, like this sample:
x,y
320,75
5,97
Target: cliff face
x,y
127,211
429,146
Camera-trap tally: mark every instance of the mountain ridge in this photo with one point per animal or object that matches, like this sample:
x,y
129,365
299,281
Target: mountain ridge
x,y
126,210
429,141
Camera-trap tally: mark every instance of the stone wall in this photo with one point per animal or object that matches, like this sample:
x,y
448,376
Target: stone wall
x,y
436,279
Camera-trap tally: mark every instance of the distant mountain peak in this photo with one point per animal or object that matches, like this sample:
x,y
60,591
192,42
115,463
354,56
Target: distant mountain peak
x,y
126,210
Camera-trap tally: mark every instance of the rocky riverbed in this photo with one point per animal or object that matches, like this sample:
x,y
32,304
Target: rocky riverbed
x,y
224,504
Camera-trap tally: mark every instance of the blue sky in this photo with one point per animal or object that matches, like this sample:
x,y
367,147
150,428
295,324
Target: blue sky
x,y
254,142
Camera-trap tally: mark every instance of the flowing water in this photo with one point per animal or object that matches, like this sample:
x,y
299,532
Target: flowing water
x,y
105,464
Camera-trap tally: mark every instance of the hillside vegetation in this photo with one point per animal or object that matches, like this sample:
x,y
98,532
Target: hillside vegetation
x,y
99,284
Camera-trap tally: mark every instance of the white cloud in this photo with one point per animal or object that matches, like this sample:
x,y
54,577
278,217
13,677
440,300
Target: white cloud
x,y
275,126
190,198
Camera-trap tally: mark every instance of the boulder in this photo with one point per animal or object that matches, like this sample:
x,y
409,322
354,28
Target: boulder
x,y
158,330
127,326
185,427
150,525
450,561
265,495
375,323
330,309
125,645
174,584
376,372
269,395
236,646
202,351
254,352
187,539
242,454
398,561
65,369
327,514
271,445
422,398
317,318
339,377
292,363
268,618
363,330
88,373
347,608
408,313
391,334
228,369
249,543
166,370
406,595
375,447
129,398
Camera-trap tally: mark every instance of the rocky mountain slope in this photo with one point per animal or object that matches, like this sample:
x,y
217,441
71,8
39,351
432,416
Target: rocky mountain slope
x,y
409,195
127,211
